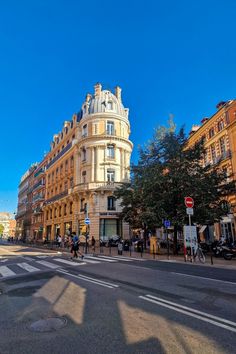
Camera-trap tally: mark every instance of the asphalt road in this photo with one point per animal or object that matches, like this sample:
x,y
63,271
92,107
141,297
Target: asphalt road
x,y
112,305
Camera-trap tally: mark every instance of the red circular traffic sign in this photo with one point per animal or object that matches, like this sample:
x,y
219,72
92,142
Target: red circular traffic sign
x,y
189,202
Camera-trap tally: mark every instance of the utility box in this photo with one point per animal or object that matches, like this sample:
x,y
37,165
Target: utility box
x,y
153,244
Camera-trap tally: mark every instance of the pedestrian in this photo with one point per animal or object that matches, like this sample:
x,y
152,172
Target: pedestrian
x,y
59,240
93,242
75,246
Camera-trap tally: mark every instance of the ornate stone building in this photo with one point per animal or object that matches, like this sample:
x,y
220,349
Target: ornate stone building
x,y
88,159
219,135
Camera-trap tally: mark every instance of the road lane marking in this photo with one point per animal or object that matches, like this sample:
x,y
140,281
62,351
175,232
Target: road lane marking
x,y
114,259
205,278
130,258
6,272
48,264
100,258
28,267
100,281
178,308
90,280
193,310
90,261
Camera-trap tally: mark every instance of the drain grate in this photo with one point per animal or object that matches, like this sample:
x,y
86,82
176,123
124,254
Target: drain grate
x,y
48,325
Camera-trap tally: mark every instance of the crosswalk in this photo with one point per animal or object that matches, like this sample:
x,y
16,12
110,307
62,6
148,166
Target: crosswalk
x,y
37,264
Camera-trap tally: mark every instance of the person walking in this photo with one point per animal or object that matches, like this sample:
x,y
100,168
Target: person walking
x,y
75,246
93,242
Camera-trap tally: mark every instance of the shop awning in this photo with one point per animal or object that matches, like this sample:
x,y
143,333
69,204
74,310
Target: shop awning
x,y
203,228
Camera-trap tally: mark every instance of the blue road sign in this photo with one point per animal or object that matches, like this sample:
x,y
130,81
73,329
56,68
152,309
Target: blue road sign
x,y
167,223
87,221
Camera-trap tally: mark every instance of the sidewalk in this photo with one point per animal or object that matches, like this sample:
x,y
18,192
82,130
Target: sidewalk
x,y
113,251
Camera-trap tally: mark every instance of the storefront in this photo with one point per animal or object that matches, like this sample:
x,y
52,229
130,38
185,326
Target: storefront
x,y
110,227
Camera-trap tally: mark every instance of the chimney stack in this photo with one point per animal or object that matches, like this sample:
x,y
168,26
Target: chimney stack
x,y
118,93
98,89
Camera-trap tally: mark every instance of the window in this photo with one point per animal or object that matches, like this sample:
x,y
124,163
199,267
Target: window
x,y
61,168
220,125
110,105
110,175
72,162
111,203
82,204
85,131
211,133
110,128
71,182
84,177
64,209
59,210
213,153
83,154
203,139
222,146
71,207
95,128
111,151
66,166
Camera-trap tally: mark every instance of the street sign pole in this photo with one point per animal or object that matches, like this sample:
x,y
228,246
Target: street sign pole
x,y
189,203
87,228
191,245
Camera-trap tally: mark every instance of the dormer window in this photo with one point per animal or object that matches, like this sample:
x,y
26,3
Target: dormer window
x,y
110,105
85,131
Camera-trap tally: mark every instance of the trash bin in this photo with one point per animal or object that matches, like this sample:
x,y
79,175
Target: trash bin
x,y
120,248
153,244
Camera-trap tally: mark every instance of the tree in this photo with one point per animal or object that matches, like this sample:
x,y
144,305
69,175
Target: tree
x,y
1,229
167,171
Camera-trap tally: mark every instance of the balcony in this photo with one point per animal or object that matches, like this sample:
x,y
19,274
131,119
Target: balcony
x,y
39,172
61,153
57,197
37,198
96,185
37,210
37,185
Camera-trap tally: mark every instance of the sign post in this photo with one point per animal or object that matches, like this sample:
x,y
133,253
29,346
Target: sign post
x,y
167,224
189,203
87,223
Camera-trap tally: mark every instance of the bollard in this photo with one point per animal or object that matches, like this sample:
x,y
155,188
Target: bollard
x,y
141,252
211,259
153,251
110,249
130,249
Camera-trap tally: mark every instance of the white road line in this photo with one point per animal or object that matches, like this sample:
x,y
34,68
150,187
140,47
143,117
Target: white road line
x,y
100,281
6,272
74,264
4,260
28,267
204,278
100,258
90,261
86,279
204,319
114,259
41,256
133,258
48,264
193,310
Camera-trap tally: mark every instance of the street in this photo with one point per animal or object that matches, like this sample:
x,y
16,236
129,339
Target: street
x,y
112,304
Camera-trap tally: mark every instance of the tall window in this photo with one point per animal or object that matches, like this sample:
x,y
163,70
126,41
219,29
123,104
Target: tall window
x,y
84,177
110,105
222,145
84,154
211,132
111,203
110,151
110,128
110,176
213,153
85,131
220,125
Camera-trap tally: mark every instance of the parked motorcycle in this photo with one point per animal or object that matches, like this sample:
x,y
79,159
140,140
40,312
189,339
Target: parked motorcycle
x,y
218,248
229,252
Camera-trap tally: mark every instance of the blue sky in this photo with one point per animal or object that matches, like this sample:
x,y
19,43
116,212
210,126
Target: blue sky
x,y
169,57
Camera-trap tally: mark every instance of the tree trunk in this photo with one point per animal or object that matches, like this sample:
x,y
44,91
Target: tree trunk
x,y
175,244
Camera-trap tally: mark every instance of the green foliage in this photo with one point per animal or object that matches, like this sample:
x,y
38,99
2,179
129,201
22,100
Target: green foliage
x,y
1,229
167,172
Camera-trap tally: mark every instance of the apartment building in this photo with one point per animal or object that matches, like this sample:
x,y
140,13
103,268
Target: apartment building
x,y
219,135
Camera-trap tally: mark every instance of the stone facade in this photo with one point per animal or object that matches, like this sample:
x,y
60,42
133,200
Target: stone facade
x,y
219,135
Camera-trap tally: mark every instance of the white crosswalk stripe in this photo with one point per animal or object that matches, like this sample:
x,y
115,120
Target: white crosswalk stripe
x,y
48,264
6,272
28,267
74,264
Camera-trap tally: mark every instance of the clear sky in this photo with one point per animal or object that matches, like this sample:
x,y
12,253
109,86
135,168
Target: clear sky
x,y
169,57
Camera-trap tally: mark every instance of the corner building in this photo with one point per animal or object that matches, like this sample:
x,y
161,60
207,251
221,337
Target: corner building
x,y
219,136
87,161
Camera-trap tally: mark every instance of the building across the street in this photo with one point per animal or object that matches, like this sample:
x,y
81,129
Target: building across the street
x,y
219,135
8,225
71,189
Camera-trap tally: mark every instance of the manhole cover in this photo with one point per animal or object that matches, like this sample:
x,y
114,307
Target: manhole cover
x,y
48,324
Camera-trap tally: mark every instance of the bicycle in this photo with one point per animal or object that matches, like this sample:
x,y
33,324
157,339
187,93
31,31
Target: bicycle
x,y
197,253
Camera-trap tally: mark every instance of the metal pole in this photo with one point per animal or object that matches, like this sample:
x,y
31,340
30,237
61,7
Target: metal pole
x,y
168,245
191,245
